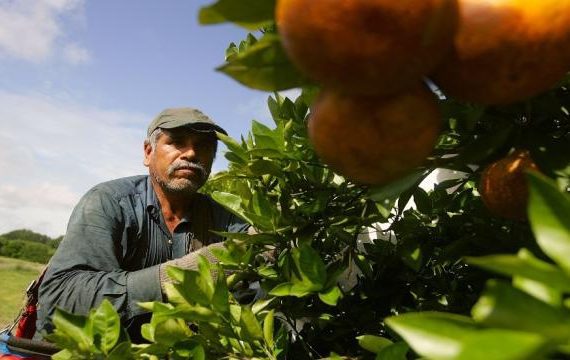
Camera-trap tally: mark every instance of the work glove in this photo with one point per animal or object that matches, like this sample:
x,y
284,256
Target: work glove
x,y
188,262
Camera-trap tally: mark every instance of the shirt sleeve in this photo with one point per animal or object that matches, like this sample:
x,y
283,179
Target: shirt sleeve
x,y
86,267
237,225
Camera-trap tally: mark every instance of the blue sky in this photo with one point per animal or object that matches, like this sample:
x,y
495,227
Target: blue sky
x,y
79,82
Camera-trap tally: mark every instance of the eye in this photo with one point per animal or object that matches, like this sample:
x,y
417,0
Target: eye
x,y
176,140
206,143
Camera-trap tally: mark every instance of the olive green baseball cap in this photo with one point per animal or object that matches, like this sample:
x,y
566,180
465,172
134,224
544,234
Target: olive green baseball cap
x,y
178,117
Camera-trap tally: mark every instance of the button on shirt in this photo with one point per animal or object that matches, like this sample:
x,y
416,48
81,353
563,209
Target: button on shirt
x,y
115,240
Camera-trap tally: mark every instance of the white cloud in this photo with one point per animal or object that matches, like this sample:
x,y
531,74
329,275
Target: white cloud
x,y
53,151
43,207
75,54
58,196
33,30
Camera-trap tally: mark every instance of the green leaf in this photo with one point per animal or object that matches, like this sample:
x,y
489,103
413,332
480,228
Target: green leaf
x,y
172,294
261,206
121,352
495,344
269,153
261,239
395,351
74,327
431,334
264,167
331,296
265,138
422,201
262,304
226,257
147,332
373,343
63,355
268,329
484,146
194,313
235,313
311,269
289,289
412,255
199,353
220,301
249,324
525,265
195,286
235,148
264,66
171,331
395,188
549,215
268,272
539,290
251,14
232,203
156,351
106,324
505,307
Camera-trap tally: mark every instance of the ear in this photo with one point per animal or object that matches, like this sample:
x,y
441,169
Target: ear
x,y
147,153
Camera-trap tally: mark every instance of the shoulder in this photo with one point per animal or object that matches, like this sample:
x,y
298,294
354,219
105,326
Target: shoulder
x,y
119,188
108,196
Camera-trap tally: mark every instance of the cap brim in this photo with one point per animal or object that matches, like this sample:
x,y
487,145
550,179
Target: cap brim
x,y
201,127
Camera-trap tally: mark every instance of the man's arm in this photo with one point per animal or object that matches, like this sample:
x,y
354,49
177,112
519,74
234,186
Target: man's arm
x,y
86,267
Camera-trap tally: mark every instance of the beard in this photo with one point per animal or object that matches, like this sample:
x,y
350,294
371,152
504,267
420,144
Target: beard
x,y
182,186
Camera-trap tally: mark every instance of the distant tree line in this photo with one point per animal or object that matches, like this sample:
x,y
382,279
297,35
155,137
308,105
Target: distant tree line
x,y
28,245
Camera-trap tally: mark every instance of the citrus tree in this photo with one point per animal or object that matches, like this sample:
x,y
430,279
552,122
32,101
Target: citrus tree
x,y
435,255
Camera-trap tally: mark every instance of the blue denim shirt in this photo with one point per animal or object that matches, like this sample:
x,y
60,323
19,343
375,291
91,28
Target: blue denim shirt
x,y
115,240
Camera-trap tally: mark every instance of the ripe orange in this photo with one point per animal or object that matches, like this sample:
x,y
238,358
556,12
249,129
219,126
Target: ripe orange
x,y
507,50
366,46
374,140
503,186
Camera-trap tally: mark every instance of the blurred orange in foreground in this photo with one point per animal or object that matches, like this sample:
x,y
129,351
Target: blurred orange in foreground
x,y
507,50
367,46
375,140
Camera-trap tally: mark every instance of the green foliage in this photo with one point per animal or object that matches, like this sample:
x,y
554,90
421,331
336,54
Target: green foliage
x,y
28,235
24,234
252,14
26,250
261,64
527,319
96,336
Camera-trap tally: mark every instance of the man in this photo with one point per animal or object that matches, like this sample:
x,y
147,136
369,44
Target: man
x,y
123,233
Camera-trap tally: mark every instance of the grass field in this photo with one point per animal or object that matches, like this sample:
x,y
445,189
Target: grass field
x,y
16,275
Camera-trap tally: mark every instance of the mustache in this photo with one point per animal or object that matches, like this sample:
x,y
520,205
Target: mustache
x,y
188,165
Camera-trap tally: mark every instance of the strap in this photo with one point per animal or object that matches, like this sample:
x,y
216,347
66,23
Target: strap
x,y
33,289
25,322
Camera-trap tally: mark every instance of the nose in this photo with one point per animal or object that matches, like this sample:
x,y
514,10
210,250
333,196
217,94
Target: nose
x,y
188,152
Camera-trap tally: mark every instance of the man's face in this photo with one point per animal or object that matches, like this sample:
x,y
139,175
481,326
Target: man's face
x,y
181,160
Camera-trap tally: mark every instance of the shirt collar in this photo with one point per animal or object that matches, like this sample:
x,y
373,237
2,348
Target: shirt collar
x,y
152,204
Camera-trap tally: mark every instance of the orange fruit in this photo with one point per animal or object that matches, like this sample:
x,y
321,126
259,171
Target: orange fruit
x,y
374,140
507,50
503,185
373,47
